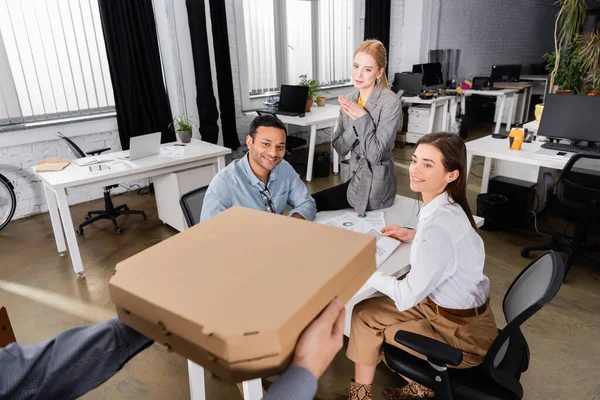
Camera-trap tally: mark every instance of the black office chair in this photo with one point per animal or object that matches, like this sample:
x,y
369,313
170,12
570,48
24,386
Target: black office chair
x,y
110,211
508,356
576,197
191,205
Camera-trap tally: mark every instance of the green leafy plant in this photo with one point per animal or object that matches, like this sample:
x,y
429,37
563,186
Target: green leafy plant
x,y
568,73
313,86
182,123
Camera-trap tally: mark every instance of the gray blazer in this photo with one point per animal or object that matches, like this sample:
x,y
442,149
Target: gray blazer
x,y
370,140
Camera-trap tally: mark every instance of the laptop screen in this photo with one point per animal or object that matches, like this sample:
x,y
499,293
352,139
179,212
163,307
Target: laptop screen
x,y
293,98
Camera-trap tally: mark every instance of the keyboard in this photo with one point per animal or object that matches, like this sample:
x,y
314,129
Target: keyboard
x,y
572,148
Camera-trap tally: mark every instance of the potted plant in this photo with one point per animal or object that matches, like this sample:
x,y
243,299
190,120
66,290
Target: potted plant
x,y
568,73
183,126
313,91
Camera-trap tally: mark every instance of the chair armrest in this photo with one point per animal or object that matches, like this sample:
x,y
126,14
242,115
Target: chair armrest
x,y
436,352
94,152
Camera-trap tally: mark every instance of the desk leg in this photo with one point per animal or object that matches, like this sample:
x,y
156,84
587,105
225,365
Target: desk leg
x,y
431,118
485,178
528,92
500,113
196,377
445,117
220,163
336,156
253,389
311,152
469,162
59,235
463,104
511,110
65,214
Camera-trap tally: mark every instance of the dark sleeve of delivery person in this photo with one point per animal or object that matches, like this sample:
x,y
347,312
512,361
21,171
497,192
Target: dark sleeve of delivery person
x,y
68,366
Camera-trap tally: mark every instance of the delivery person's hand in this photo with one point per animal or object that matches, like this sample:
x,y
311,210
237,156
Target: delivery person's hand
x,y
322,339
399,233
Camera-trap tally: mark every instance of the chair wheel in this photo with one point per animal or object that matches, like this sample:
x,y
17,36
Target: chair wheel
x,y
144,216
524,253
79,231
119,230
87,218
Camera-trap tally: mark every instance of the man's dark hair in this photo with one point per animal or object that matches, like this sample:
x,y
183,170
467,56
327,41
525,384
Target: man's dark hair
x,y
266,120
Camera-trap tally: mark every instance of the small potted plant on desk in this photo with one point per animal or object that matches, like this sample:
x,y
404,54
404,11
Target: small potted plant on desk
x,y
313,92
183,126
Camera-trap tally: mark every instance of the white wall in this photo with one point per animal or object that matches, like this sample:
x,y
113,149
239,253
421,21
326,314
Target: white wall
x,y
492,32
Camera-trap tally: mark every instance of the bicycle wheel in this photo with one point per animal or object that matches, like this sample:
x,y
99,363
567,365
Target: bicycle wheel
x,y
8,201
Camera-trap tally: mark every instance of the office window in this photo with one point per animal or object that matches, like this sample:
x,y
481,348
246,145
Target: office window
x,y
52,60
288,38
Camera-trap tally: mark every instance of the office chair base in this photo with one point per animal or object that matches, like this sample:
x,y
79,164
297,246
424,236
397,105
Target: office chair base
x,y
566,245
118,211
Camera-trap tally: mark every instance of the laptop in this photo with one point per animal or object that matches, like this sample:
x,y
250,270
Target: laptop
x,y
409,82
144,146
292,101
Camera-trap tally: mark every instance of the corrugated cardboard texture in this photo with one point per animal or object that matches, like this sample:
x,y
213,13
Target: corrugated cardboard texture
x,y
234,292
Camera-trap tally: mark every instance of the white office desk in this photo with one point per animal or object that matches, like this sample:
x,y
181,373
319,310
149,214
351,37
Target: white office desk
x,y
501,96
73,178
498,149
318,118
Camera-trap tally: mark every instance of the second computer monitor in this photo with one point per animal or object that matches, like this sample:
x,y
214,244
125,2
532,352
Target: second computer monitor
x,y
506,73
432,74
570,117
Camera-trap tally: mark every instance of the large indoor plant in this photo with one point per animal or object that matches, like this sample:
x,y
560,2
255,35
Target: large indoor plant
x,y
575,63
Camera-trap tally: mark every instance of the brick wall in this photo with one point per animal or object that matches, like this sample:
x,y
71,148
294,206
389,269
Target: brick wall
x,y
16,163
492,32
395,50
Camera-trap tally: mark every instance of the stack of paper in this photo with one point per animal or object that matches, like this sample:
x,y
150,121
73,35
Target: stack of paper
x,y
352,222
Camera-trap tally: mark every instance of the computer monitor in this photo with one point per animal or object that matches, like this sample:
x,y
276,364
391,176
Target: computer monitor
x,y
432,74
570,117
506,73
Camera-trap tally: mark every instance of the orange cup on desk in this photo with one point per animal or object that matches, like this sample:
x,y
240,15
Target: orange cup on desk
x,y
515,138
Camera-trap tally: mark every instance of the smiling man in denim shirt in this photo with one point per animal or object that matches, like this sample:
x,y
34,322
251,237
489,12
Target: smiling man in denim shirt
x,y
262,179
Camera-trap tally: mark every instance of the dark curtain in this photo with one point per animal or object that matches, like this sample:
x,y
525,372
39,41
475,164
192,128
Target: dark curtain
x,y
205,99
218,20
377,22
141,99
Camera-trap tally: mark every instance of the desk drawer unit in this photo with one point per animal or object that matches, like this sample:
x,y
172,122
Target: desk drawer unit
x,y
419,119
170,187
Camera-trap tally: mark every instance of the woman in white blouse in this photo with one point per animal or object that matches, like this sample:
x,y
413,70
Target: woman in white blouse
x,y
445,294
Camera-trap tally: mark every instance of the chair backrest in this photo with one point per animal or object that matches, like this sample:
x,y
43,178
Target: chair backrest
x,y
578,186
532,289
76,149
191,205
7,336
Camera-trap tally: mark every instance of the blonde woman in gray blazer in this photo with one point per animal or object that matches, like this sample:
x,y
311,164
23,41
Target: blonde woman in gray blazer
x,y
369,119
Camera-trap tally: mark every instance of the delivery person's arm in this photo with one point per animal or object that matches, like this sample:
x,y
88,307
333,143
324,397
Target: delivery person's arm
x,y
316,348
68,366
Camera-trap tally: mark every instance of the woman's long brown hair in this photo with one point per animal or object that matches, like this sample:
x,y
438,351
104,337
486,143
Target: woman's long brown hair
x,y
454,157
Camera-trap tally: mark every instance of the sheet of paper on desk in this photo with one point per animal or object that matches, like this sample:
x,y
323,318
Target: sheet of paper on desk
x,y
374,218
385,245
92,160
172,151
